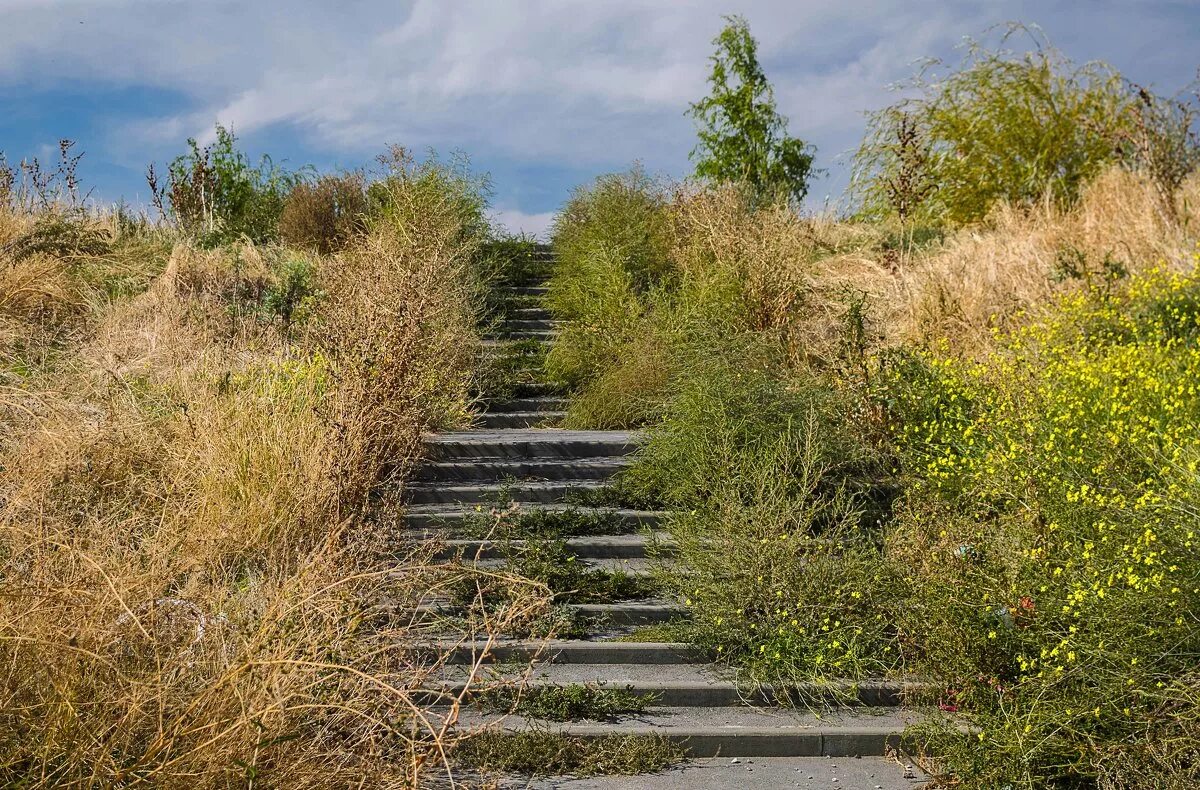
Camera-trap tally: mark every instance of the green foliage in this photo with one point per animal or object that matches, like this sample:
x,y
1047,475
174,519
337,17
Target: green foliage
x,y
743,139
612,241
565,703
1051,541
292,293
545,753
409,194
772,558
571,580
216,195
998,126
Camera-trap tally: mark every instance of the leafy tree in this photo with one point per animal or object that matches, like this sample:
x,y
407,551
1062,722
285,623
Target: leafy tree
x,y
743,139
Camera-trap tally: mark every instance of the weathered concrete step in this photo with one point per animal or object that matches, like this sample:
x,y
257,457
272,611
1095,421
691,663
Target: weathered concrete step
x,y
630,613
530,443
604,615
495,471
494,345
520,491
590,547
436,519
528,290
517,324
566,651
742,731
504,335
678,685
537,389
534,312
629,566
543,403
518,419
758,773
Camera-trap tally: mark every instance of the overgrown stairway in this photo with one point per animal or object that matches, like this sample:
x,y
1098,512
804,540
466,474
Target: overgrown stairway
x,y
516,455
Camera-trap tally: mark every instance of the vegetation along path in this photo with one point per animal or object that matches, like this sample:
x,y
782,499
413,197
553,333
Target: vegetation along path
x,y
517,494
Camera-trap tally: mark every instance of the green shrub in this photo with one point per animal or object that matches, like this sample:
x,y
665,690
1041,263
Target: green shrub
x,y
998,126
773,559
408,192
612,241
1050,539
216,195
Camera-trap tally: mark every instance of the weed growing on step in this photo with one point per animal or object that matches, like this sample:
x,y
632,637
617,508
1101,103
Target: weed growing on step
x,y
573,702
550,563
546,753
546,524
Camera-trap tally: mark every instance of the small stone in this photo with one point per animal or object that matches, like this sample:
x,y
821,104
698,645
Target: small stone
x,y
909,773
734,761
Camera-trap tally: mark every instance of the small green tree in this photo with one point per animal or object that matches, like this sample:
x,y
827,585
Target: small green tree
x,y
743,139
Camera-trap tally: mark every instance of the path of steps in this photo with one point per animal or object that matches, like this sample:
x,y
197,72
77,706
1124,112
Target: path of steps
x,y
516,453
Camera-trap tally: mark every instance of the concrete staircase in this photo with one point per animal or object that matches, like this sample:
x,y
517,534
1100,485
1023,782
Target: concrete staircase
x,y
516,452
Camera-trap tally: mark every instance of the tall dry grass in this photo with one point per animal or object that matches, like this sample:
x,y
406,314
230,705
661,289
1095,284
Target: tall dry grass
x,y
800,273
202,581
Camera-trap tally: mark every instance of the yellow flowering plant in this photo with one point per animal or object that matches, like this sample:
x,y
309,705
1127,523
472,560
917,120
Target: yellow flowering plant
x,y
1049,529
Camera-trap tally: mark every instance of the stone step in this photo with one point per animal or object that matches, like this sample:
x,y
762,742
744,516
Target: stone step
x,y
494,471
437,520
518,419
630,613
498,346
754,773
740,731
532,312
528,290
521,491
635,567
677,685
506,335
590,547
530,443
564,651
525,323
604,615
536,389
545,403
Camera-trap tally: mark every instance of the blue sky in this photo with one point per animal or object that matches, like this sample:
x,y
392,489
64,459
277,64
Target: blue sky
x,y
542,94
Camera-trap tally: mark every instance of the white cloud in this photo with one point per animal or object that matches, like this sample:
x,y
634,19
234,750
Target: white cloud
x,y
517,221
573,84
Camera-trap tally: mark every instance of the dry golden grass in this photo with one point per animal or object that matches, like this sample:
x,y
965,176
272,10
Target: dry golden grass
x,y
201,579
982,278
799,273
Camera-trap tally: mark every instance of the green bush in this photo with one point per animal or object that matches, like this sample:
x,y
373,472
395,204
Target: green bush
x,y
408,192
773,560
1050,539
216,195
612,241
998,126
